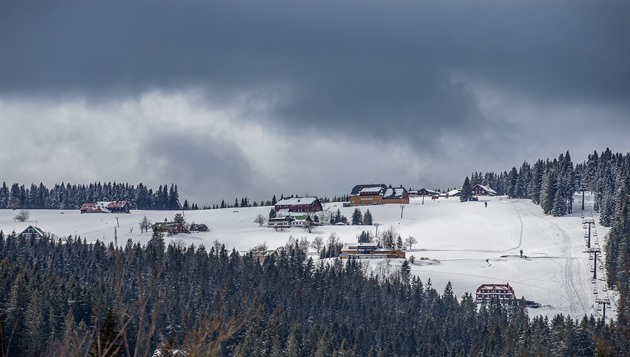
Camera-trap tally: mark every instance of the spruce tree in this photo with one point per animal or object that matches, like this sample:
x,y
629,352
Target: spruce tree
x,y
466,193
367,218
357,218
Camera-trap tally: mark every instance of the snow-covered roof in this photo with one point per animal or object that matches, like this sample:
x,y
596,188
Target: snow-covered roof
x,y
453,192
360,245
283,212
34,229
373,189
495,287
356,190
297,201
394,192
117,204
487,189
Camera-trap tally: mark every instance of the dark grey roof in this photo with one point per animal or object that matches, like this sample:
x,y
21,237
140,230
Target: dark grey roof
x,y
33,229
356,189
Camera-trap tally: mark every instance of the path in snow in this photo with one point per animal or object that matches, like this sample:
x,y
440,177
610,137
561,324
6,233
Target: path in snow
x,y
571,278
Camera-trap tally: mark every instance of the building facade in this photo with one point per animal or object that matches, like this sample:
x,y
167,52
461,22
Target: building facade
x,y
494,293
299,204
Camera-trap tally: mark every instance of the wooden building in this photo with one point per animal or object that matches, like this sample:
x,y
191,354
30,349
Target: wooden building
x,y
365,195
377,194
369,251
299,204
398,195
423,192
481,190
32,232
494,293
289,221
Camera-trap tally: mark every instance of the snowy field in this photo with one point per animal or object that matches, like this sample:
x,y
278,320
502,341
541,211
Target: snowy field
x,y
465,243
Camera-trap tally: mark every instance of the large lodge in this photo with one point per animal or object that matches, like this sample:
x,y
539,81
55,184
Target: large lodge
x,y
378,194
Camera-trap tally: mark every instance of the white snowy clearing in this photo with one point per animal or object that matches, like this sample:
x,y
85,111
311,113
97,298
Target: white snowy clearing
x,y
465,243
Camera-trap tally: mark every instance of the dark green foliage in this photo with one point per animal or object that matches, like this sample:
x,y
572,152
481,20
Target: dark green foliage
x,y
108,340
357,218
364,237
198,227
338,218
466,193
367,218
66,196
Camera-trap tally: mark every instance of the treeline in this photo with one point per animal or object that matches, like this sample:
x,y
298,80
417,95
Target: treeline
x,y
612,199
73,299
67,196
246,202
72,196
552,183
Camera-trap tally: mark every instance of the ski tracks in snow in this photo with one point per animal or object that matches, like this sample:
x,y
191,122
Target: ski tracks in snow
x,y
571,276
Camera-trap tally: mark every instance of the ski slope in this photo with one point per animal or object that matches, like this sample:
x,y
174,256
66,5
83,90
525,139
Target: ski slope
x,y
467,244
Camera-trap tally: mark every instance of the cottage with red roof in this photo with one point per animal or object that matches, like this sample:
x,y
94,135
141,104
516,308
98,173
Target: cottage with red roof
x,y
106,207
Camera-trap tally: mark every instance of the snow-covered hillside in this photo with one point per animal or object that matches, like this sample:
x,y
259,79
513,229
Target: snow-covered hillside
x,y
465,243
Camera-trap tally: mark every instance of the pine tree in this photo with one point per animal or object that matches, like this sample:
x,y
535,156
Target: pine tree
x,y
108,342
364,237
357,218
534,187
512,184
466,193
548,189
367,218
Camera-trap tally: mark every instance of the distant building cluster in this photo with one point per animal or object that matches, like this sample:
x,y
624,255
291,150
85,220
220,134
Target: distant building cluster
x,y
106,207
369,251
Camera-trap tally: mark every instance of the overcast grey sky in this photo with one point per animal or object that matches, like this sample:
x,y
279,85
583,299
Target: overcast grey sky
x,y
241,98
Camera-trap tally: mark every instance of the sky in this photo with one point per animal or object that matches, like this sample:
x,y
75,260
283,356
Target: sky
x,y
251,99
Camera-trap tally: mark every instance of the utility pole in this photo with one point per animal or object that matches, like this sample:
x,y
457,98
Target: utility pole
x,y
402,207
590,221
605,302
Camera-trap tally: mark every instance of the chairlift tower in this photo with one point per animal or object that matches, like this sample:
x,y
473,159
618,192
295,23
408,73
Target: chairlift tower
x,y
602,303
590,222
582,188
594,251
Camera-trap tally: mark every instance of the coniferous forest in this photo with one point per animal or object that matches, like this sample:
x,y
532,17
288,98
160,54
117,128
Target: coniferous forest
x,y
70,298
67,196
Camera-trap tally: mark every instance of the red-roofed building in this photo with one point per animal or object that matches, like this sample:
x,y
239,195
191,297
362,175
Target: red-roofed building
x,y
494,292
106,207
299,204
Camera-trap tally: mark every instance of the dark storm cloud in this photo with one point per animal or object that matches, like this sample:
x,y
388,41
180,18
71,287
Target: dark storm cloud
x,y
427,75
346,61
206,163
